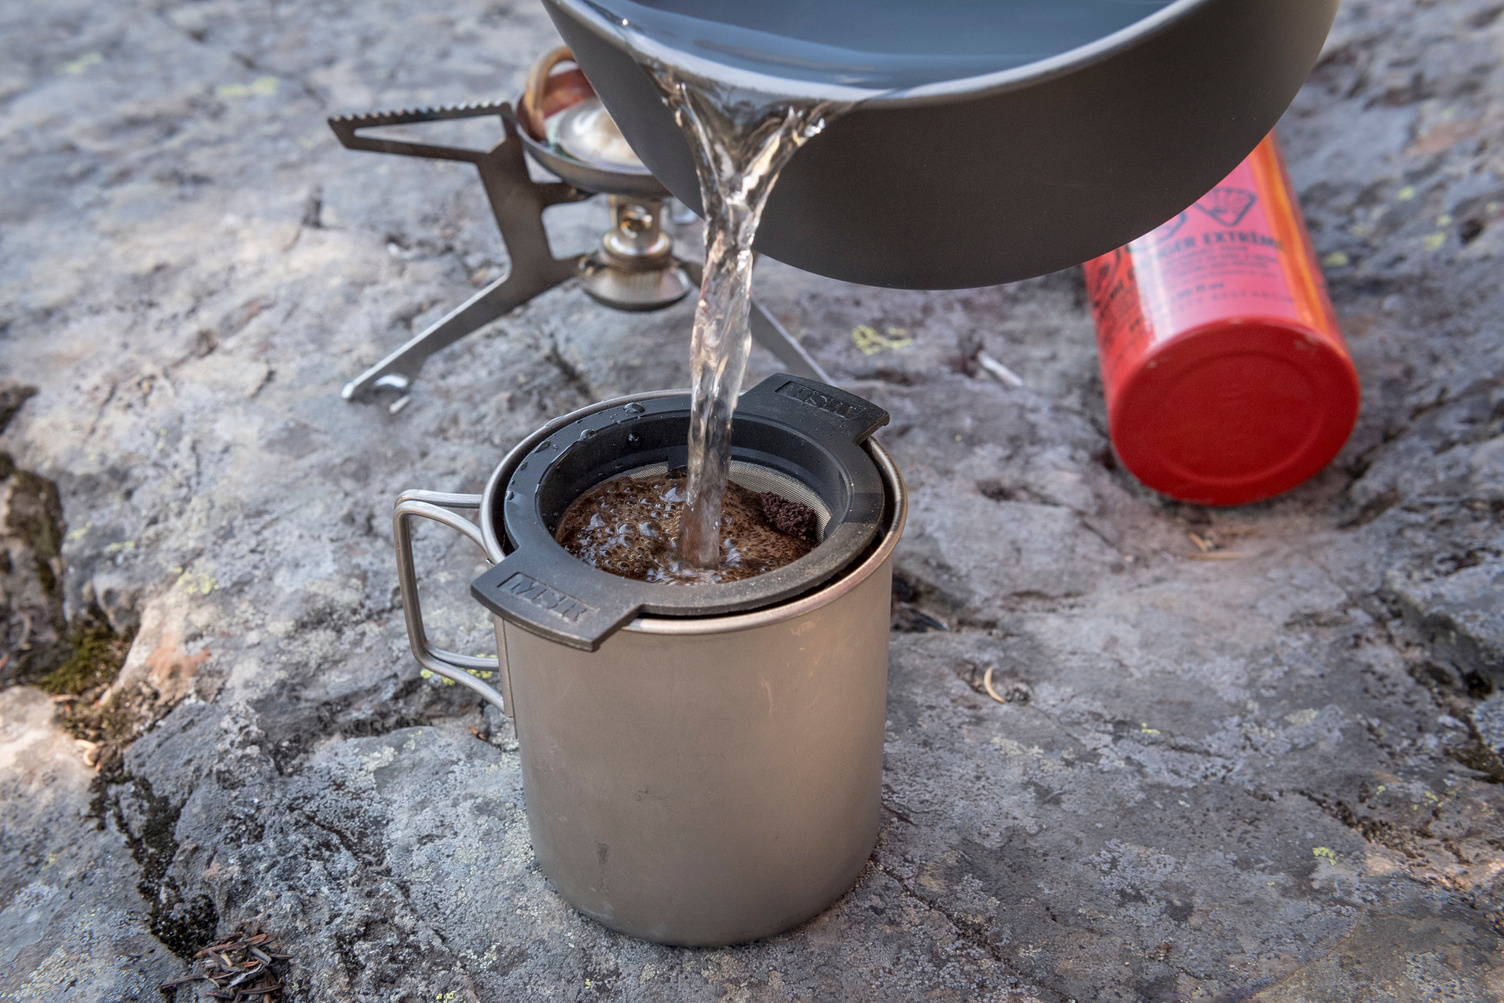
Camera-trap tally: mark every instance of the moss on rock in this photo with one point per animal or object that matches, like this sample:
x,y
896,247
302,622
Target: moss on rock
x,y
92,655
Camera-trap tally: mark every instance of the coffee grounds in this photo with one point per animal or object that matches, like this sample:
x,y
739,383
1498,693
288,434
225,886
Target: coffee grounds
x,y
629,526
790,517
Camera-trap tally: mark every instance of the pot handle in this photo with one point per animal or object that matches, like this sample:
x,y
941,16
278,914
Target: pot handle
x,y
440,508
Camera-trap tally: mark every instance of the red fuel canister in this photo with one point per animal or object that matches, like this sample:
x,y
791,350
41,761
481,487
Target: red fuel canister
x,y
1226,376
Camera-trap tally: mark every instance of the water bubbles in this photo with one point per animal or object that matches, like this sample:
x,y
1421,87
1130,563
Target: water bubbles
x,y
633,438
627,526
634,408
587,433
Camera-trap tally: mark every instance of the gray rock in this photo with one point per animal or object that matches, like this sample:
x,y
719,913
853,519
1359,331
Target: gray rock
x,y
1389,957
1460,616
1206,779
1488,718
35,623
73,924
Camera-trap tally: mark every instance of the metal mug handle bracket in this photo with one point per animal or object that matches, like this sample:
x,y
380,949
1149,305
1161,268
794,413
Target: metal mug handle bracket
x,y
440,508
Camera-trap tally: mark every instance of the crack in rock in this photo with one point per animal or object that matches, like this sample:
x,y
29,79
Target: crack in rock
x,y
968,930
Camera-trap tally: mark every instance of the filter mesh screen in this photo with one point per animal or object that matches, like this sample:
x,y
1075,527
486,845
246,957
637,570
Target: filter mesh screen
x,y
759,479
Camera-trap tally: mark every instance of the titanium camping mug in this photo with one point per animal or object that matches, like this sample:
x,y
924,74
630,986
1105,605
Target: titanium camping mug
x,y
702,765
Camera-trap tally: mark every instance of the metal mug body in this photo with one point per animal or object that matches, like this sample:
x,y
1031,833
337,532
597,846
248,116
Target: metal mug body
x,y
712,787
1009,175
697,781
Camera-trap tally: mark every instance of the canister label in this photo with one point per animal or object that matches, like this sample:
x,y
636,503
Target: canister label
x,y
1239,254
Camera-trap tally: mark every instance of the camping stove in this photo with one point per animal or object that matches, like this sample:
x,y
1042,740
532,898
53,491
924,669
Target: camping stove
x,y
634,269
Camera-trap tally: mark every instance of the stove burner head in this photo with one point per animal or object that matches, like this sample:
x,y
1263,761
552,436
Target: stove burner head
x,y
798,438
635,268
567,131
588,133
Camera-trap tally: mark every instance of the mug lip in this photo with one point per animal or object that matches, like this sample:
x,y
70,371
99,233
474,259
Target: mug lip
x,y
726,622
982,85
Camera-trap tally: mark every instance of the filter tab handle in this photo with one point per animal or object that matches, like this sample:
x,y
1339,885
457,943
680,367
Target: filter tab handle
x,y
559,600
807,404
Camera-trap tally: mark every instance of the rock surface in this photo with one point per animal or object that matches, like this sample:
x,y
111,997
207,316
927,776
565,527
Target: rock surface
x,y
1271,775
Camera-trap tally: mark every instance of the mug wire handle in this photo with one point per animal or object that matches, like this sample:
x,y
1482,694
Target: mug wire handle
x,y
440,508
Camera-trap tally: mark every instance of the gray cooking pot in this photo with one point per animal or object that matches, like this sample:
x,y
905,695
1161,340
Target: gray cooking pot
x,y
1012,174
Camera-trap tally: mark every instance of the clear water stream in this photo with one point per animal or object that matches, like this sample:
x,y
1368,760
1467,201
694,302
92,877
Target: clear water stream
x,y
749,84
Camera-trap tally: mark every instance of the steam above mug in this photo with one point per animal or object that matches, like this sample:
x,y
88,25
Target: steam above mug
x,y
1004,140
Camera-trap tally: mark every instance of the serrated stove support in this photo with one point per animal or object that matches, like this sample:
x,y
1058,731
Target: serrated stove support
x,y
517,201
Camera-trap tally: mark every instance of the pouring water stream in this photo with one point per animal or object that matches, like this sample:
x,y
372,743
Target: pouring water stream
x,y
747,99
740,148
742,133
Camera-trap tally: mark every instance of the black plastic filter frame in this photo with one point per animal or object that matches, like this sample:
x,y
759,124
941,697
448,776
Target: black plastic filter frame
x,y
798,427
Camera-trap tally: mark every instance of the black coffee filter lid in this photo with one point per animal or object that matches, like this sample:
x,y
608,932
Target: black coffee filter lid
x,y
789,425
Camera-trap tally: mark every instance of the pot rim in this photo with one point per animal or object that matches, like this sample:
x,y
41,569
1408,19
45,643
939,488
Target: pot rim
x,y
943,91
724,623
